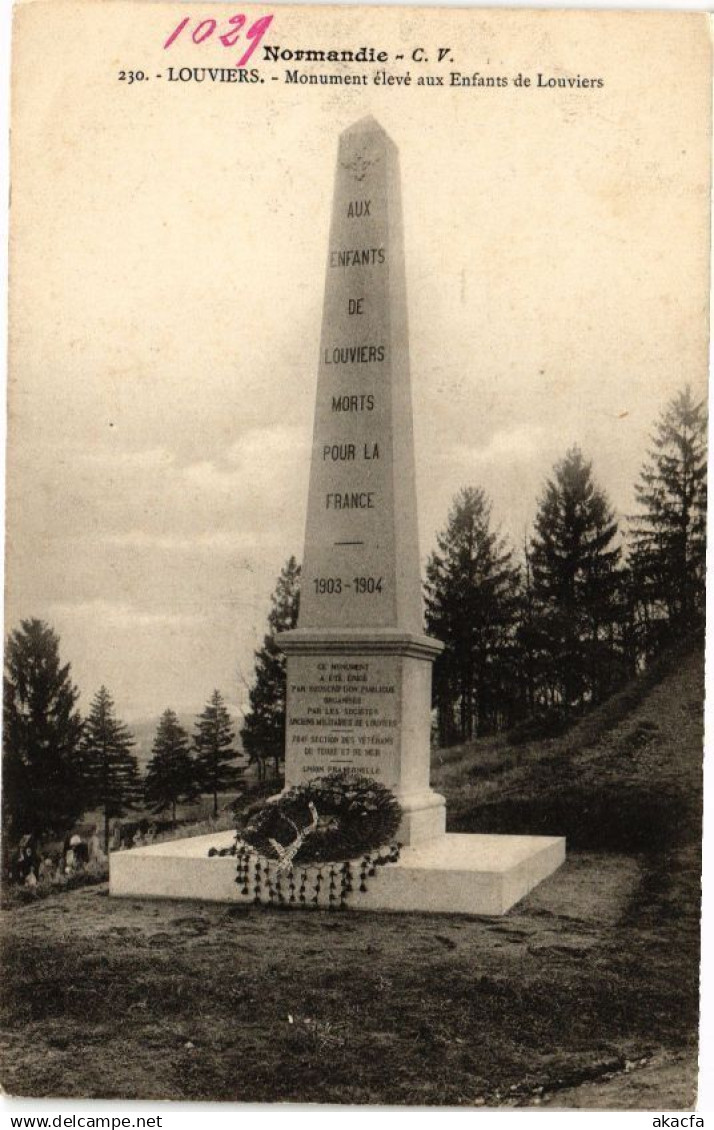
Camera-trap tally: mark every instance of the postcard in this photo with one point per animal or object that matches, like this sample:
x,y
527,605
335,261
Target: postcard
x,y
355,555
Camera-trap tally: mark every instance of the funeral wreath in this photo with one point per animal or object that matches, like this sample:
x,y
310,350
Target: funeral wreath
x,y
317,842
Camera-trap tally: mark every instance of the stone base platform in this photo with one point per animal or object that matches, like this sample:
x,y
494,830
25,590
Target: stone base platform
x,y
451,874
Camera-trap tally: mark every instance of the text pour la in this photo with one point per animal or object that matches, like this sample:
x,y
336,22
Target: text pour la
x,y
346,452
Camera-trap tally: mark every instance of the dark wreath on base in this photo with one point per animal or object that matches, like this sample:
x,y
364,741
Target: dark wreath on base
x,y
318,841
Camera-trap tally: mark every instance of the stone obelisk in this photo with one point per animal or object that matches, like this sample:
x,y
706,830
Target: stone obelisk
x,y
359,665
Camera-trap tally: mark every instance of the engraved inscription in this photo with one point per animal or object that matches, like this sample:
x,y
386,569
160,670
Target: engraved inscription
x,y
342,714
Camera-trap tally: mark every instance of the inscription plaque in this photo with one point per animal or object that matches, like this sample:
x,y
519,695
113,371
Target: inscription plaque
x,y
343,713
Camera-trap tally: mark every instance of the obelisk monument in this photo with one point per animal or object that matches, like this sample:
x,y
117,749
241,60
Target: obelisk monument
x,y
359,665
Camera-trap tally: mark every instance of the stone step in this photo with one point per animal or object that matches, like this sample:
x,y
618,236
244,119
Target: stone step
x,y
451,874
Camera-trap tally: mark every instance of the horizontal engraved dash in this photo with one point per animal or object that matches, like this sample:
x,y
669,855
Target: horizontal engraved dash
x,y
349,543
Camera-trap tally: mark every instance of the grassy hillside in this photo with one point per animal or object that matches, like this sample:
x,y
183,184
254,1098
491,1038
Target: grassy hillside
x,y
584,995
628,777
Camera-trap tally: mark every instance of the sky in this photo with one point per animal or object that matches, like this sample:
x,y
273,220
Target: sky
x,y
168,246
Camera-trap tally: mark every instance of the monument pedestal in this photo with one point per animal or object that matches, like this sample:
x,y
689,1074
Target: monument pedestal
x,y
451,874
359,700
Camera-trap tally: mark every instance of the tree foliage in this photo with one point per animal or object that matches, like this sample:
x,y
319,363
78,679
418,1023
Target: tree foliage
x,y
574,560
111,773
471,604
668,537
263,731
213,743
41,733
171,774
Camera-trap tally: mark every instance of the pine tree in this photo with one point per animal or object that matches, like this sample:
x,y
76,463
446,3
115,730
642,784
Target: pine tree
x,y
528,645
171,774
110,768
471,601
213,743
263,731
575,583
41,731
668,554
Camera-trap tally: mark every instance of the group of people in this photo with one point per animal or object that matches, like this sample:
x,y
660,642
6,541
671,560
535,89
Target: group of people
x,y
144,834
30,866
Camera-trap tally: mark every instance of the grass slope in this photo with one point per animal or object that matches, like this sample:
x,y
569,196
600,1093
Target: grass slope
x,y
586,994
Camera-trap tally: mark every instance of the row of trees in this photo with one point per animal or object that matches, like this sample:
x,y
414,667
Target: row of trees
x,y
541,637
57,765
586,607
545,633
181,768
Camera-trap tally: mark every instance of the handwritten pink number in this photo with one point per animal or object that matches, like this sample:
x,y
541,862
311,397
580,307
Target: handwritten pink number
x,y
255,33
205,23
230,38
176,32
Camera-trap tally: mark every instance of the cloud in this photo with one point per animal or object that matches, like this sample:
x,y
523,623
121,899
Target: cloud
x,y
235,500
521,444
267,444
123,615
121,457
218,541
264,460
